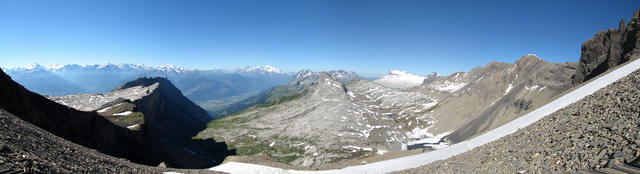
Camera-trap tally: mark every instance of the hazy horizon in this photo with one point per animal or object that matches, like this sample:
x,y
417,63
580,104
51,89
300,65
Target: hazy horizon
x,y
367,37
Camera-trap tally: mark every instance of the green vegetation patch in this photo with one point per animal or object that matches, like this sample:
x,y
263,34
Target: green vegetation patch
x,y
128,120
253,146
283,99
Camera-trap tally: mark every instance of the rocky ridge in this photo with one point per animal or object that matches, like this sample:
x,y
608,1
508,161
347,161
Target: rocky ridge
x,y
598,131
498,93
601,130
162,113
608,49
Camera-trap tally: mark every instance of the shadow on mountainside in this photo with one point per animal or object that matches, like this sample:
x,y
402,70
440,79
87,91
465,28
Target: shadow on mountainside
x,y
147,146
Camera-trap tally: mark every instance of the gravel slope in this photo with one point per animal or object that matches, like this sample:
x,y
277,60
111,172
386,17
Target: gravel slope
x,y
601,130
27,148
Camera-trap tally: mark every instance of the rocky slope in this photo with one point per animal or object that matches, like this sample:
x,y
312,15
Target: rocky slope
x,y
318,119
85,128
325,121
29,149
26,148
608,49
598,131
162,113
487,97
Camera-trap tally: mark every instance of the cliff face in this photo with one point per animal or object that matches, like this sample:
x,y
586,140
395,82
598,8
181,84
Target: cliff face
x,y
167,111
85,128
608,49
170,119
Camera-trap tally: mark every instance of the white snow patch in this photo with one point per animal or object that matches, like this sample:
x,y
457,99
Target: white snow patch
x,y
104,110
351,94
508,88
123,113
429,139
400,79
133,126
449,86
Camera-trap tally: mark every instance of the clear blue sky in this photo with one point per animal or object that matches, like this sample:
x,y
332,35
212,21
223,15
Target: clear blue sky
x,y
369,37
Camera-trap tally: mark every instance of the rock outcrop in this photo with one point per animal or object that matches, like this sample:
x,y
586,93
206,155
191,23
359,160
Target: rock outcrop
x,y
608,49
84,128
158,109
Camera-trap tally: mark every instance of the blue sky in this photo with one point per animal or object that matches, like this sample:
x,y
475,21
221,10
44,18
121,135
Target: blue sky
x,y
369,37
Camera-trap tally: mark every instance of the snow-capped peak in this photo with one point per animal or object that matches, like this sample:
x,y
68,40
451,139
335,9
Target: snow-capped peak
x,y
54,67
34,66
259,69
172,68
102,67
400,79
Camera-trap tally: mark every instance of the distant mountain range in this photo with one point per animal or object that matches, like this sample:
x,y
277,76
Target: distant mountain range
x,y
211,89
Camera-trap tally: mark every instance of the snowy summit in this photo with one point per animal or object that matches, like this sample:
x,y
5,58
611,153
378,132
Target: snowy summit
x,y
400,79
259,69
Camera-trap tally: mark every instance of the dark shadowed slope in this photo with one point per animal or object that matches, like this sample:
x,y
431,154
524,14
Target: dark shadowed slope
x,y
84,128
24,147
170,121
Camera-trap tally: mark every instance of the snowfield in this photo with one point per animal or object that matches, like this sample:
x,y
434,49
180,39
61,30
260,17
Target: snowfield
x,y
444,153
400,79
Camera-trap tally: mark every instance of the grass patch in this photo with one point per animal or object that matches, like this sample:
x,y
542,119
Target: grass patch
x,y
283,99
127,120
245,146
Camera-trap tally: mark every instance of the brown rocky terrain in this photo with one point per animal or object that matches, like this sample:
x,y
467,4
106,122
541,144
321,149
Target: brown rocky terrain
x,y
601,130
490,96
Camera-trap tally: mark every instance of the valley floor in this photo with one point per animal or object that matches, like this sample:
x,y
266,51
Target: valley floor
x,y
593,132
